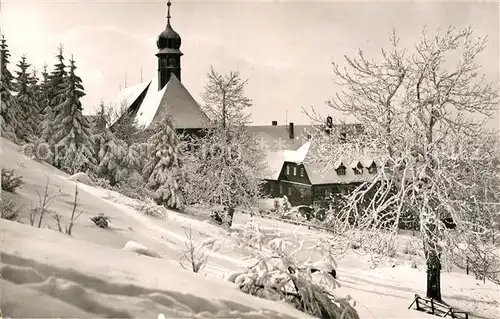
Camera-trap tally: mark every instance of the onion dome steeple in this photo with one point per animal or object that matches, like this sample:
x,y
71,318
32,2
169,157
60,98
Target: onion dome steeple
x,y
169,55
169,39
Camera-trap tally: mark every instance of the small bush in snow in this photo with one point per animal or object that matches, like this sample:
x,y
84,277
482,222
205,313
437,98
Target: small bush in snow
x,y
9,181
39,150
101,220
410,249
68,229
102,182
194,257
9,210
133,189
150,208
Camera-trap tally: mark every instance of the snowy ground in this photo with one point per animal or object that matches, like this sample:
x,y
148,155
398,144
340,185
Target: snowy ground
x,y
49,274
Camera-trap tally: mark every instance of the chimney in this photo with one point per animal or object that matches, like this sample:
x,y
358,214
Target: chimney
x,y
329,122
274,123
290,131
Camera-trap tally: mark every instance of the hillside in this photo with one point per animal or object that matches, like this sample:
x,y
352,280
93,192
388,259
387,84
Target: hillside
x,y
49,274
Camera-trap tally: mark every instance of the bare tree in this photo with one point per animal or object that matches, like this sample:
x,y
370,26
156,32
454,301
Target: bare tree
x,y
225,100
423,114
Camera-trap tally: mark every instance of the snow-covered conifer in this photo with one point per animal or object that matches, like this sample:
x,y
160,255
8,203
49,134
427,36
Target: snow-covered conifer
x,y
54,83
9,111
163,171
110,151
27,101
71,129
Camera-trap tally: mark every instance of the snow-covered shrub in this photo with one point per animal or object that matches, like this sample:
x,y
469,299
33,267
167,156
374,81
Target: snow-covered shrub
x,y
410,248
195,256
9,181
38,149
282,205
101,182
306,285
8,209
101,220
133,188
150,208
251,236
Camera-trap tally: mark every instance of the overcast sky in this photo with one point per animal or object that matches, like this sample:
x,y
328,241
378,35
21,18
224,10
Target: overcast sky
x,y
284,49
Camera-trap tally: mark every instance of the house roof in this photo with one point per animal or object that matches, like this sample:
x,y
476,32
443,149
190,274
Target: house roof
x,y
324,172
277,137
274,161
174,99
321,173
297,156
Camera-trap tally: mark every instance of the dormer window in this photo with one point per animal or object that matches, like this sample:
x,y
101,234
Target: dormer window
x,y
340,170
358,169
301,172
372,169
294,171
288,170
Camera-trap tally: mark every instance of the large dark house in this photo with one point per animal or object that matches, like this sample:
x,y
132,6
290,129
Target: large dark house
x,y
304,181
148,102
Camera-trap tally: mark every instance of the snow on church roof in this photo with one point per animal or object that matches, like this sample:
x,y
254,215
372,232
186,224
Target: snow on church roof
x,y
125,98
149,105
174,99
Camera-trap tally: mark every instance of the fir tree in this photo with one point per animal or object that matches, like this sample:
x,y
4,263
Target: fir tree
x,y
110,151
56,78
9,110
163,171
54,84
29,115
125,127
72,131
44,102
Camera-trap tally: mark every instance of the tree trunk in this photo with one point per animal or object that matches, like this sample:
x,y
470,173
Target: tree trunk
x,y
433,274
229,212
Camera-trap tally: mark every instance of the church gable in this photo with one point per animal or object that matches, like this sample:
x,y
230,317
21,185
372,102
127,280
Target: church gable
x,y
182,107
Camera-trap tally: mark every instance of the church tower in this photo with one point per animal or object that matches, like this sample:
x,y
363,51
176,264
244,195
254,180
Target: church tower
x,y
169,55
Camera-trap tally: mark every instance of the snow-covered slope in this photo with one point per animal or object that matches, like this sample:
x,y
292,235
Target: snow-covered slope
x,y
49,274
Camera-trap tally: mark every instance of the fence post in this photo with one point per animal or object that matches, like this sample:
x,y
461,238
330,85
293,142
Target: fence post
x,y
467,265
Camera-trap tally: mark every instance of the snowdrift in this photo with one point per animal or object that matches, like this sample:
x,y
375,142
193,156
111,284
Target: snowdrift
x,y
67,277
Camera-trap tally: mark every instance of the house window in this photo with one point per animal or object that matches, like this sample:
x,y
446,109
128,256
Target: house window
x,y
289,191
327,192
341,170
301,172
287,170
281,190
295,171
372,169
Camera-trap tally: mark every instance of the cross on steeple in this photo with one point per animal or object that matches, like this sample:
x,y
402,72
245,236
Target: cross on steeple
x,y
168,11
